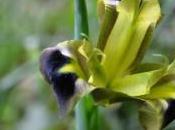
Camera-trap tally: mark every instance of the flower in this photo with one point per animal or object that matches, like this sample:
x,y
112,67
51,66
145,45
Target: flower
x,y
114,70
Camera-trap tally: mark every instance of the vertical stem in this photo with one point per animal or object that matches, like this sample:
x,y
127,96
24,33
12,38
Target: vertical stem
x,y
85,111
81,21
86,114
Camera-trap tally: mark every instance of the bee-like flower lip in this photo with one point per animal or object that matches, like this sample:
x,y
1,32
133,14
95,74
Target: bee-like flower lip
x,y
51,60
63,84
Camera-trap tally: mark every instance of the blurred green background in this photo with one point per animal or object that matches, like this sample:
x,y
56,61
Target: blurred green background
x,y
28,26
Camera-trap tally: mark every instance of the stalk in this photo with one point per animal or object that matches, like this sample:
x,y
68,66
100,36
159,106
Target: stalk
x,y
86,113
81,28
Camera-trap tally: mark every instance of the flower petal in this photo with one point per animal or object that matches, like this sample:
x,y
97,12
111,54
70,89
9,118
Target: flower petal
x,y
126,39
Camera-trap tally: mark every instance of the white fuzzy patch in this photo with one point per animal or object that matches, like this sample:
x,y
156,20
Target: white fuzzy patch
x,y
112,2
66,52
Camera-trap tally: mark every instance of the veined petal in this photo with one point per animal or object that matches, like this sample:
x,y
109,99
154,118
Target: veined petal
x,y
137,84
164,89
133,22
108,16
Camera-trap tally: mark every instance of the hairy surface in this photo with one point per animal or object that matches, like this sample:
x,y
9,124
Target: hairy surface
x,y
63,84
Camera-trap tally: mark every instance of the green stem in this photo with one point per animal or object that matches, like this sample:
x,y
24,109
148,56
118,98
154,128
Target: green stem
x,y
81,22
86,112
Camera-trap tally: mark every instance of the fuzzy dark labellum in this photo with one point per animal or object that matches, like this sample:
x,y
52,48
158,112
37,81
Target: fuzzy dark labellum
x,y
50,61
63,84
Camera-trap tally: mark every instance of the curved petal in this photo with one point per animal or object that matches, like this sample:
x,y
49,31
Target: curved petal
x,y
136,20
105,96
137,84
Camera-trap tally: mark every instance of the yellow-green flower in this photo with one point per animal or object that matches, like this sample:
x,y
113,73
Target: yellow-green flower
x,y
112,71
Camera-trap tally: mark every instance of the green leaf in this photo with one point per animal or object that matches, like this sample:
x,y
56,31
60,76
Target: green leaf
x,y
127,36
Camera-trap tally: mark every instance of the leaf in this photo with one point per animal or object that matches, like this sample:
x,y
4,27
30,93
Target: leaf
x,y
128,34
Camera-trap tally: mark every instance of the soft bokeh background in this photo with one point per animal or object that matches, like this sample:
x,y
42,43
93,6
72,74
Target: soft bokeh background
x,y
28,26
